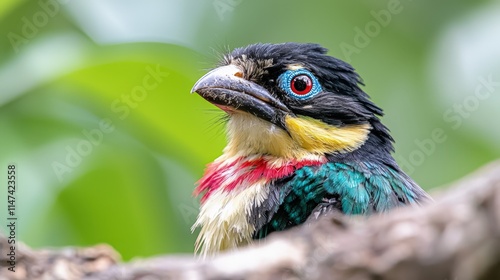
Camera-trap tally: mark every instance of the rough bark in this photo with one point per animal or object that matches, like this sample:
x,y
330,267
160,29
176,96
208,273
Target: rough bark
x,y
457,237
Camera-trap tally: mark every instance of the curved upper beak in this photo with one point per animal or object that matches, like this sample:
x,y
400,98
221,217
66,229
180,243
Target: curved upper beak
x,y
225,87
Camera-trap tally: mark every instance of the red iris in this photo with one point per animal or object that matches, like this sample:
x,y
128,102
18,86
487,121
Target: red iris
x,y
301,84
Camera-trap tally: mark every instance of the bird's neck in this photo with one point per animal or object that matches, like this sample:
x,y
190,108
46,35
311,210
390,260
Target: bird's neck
x,y
249,136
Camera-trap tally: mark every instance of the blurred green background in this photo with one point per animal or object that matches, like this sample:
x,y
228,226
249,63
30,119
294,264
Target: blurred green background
x,y
69,67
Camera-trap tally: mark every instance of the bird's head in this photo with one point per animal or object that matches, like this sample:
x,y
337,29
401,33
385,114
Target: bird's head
x,y
290,100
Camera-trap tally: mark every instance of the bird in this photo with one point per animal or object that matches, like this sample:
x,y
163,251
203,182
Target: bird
x,y
303,140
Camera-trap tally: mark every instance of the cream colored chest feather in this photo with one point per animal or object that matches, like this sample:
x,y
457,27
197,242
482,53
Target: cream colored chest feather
x,y
223,218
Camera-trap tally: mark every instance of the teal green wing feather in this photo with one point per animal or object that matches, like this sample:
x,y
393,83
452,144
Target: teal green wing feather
x,y
355,188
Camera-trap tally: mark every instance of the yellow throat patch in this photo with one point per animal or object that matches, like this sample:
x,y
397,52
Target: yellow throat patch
x,y
249,135
316,136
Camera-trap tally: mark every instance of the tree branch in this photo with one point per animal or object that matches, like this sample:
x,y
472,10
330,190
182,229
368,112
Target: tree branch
x,y
458,237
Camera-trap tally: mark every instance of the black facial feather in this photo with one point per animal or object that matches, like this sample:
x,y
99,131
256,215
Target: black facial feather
x,y
342,101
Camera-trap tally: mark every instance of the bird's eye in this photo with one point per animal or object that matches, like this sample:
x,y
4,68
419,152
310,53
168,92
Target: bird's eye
x,y
299,83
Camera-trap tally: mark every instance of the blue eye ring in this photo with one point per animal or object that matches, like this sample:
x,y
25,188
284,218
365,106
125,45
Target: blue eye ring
x,y
285,82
